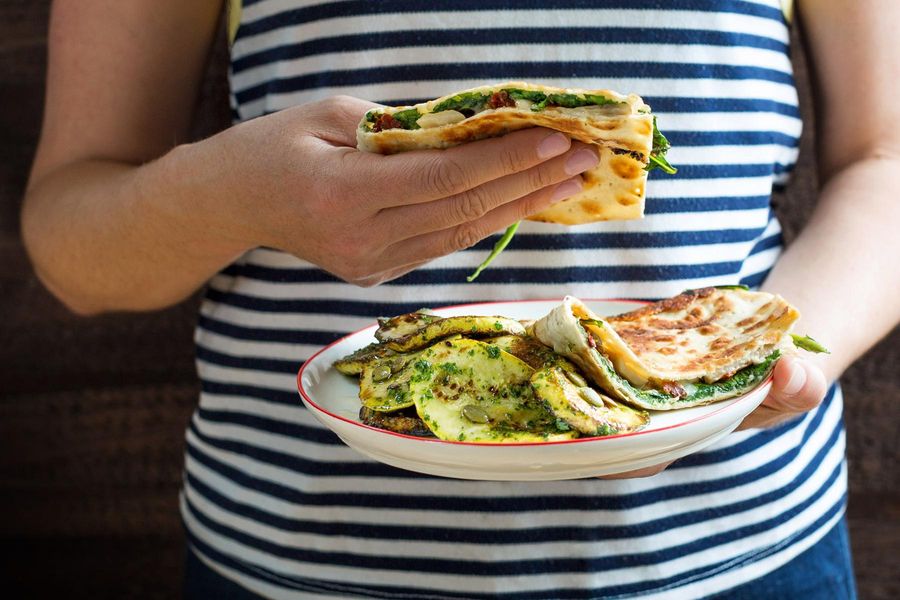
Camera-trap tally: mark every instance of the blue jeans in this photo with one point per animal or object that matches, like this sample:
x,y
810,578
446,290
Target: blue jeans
x,y
823,572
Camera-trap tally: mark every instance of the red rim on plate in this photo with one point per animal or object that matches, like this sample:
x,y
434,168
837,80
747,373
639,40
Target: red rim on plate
x,y
501,444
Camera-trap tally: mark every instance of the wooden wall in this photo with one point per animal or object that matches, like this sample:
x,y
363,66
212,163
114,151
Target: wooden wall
x,y
92,412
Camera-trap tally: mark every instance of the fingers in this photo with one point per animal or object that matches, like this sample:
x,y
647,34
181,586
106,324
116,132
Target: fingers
x,y
440,243
426,175
798,386
479,201
645,472
764,417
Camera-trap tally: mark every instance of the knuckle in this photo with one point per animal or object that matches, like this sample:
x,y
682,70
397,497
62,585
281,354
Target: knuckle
x,y
445,177
514,159
539,178
464,236
337,105
530,204
473,204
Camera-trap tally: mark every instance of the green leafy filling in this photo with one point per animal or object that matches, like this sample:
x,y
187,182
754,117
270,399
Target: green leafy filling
x,y
804,342
744,379
501,244
658,154
408,117
475,101
572,101
594,322
467,101
530,95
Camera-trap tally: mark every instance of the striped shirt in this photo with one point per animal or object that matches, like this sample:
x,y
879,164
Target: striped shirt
x,y
278,504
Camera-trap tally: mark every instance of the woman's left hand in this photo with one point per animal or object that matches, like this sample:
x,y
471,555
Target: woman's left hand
x,y
798,386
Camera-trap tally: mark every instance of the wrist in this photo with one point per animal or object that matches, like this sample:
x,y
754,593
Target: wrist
x,y
202,201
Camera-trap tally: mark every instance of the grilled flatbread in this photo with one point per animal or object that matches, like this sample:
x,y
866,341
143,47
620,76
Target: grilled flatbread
x,y
621,126
698,347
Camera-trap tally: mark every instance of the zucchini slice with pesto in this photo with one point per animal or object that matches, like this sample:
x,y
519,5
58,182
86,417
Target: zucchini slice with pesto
x,y
472,391
392,328
582,407
384,384
353,363
468,326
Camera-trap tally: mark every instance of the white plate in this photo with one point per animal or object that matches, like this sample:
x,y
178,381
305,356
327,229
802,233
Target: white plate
x,y
333,400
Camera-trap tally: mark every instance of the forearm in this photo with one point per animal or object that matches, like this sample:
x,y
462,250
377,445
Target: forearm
x,y
843,271
111,236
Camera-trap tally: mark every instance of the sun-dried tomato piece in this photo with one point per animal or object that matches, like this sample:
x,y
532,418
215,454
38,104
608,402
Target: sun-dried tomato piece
x,y
673,389
500,99
386,121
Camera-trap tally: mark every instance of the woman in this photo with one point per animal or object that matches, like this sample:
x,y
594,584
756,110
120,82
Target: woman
x,y
299,226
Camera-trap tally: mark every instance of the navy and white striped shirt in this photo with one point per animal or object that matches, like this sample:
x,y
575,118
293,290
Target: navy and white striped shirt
x,y
278,504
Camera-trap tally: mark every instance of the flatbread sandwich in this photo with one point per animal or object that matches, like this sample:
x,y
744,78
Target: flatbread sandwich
x,y
621,126
698,347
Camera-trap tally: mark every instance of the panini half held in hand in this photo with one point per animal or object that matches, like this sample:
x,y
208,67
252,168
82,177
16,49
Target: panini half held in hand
x,y
623,128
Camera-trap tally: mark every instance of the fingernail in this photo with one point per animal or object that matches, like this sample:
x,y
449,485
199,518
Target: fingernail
x,y
582,161
565,190
553,145
797,380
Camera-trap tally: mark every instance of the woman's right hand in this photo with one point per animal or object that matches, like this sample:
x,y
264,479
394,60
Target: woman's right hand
x,y
295,181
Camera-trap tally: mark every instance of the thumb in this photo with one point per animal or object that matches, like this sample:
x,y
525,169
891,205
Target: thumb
x,y
797,386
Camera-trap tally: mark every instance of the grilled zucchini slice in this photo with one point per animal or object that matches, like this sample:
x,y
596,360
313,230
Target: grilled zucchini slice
x,y
384,384
353,364
471,391
582,407
433,331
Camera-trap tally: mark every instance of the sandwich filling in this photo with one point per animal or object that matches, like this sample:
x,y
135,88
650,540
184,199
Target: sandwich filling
x,y
465,105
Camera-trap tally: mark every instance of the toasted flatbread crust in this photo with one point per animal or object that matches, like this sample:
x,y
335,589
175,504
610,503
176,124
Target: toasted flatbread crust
x,y
614,190
706,334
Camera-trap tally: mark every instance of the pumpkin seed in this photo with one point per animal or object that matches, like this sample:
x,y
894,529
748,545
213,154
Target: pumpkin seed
x,y
381,372
475,414
576,378
591,396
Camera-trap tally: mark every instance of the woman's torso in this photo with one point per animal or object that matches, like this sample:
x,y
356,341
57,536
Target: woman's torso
x,y
273,500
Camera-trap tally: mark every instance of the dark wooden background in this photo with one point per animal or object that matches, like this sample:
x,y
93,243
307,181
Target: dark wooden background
x,y
92,412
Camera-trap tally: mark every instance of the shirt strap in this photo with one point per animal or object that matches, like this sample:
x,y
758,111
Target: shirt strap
x,y
234,18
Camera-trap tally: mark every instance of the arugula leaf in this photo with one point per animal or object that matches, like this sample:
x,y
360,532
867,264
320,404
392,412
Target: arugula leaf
x,y
467,101
502,243
742,380
573,101
594,322
738,286
660,162
600,100
658,154
530,95
804,342
408,117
